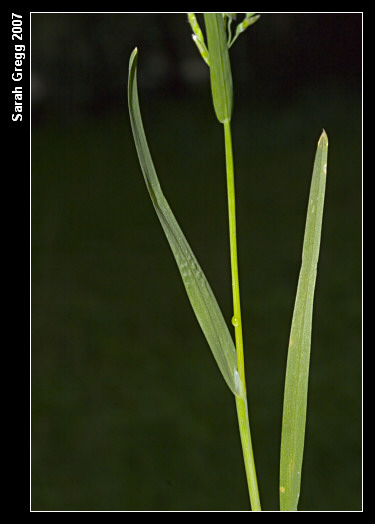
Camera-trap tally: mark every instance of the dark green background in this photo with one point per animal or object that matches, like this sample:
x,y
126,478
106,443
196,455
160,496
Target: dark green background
x,y
129,411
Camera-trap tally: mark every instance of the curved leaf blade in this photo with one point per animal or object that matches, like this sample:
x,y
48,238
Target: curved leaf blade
x,y
297,373
197,287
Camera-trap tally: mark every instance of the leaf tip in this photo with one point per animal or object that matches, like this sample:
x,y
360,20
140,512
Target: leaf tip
x,y
323,140
133,61
134,54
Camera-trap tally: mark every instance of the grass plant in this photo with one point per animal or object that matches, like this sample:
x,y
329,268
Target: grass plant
x,y
229,355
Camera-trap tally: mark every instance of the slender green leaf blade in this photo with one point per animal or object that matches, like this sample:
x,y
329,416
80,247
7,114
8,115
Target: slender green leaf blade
x,y
220,71
197,287
297,372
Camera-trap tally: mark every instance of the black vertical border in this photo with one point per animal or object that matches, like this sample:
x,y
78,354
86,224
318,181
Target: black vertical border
x,y
17,249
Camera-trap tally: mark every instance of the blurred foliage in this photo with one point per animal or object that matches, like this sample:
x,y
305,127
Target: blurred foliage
x,y
128,409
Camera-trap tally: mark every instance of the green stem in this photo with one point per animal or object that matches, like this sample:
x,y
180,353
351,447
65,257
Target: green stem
x,y
241,404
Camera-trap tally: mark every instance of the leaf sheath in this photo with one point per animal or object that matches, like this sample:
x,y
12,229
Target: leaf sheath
x,y
220,71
